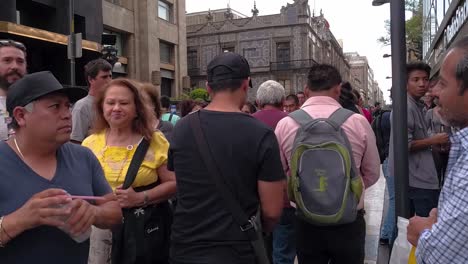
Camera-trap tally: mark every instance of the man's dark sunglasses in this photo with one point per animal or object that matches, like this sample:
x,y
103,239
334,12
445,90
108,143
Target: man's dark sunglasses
x,y
12,43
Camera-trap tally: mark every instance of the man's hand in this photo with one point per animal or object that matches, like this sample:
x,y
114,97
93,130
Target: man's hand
x,y
129,198
440,138
44,208
83,216
417,225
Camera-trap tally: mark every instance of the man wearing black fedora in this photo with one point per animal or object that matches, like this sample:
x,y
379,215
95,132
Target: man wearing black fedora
x,y
51,191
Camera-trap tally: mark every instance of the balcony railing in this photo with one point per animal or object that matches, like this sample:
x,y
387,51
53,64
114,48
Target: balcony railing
x,y
292,65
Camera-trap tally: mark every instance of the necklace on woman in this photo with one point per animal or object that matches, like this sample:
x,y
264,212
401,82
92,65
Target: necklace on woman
x,y
129,148
17,147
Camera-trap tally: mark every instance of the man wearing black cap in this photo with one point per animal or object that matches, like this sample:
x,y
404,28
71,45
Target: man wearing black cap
x,y
41,218
246,153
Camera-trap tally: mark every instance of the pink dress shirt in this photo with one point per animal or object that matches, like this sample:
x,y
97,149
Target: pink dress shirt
x,y
357,128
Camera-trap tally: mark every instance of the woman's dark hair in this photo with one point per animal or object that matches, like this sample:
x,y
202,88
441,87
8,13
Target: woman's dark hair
x,y
357,95
186,107
251,106
153,94
145,119
347,98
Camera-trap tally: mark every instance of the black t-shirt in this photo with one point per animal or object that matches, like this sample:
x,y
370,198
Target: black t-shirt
x,y
245,150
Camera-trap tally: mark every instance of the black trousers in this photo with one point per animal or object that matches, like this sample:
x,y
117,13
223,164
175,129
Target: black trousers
x,y
343,244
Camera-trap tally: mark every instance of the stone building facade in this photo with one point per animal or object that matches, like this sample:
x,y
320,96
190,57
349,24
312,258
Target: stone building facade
x,y
279,47
151,39
362,79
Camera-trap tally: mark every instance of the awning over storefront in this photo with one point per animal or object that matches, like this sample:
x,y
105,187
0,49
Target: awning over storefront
x,y
35,33
47,51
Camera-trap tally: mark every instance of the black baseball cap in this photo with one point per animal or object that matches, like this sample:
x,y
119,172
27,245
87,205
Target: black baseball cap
x,y
228,65
36,85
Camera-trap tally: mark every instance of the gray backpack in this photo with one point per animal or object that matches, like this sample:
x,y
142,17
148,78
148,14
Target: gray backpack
x,y
324,181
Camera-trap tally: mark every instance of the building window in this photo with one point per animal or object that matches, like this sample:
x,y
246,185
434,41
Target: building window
x,y
166,52
165,11
192,59
229,49
167,82
251,53
119,44
282,51
287,85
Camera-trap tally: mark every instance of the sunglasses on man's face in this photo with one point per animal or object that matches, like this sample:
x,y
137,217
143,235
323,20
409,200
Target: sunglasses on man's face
x,y
12,43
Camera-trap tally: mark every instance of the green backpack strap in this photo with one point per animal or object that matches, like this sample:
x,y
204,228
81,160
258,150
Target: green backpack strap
x,y
337,119
301,117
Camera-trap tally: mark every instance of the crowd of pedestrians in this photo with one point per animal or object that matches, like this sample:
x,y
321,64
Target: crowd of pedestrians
x,y
115,175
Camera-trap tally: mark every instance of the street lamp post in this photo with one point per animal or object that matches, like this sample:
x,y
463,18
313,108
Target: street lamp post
x,y
71,20
380,2
400,124
399,116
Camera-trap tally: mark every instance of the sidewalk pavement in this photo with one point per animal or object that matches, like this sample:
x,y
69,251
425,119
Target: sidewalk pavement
x,y
374,205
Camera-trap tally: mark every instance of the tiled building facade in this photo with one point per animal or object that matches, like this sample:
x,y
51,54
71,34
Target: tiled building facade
x,y
279,47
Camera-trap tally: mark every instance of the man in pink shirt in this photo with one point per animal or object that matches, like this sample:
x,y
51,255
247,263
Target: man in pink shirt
x,y
340,243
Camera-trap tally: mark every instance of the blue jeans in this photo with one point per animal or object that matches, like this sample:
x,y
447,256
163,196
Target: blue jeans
x,y
284,240
389,230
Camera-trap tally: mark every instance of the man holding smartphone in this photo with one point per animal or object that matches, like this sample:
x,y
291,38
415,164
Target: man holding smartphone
x,y
39,170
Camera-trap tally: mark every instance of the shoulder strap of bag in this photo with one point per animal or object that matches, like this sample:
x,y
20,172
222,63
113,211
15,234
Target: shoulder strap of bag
x,y
135,164
246,225
301,117
340,116
170,117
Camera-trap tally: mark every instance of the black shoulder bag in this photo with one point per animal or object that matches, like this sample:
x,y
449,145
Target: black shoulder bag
x,y
144,235
251,226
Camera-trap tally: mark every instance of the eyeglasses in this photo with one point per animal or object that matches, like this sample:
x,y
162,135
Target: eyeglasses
x,y
12,43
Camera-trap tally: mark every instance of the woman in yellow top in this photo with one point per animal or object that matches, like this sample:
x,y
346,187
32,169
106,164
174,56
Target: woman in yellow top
x,y
123,119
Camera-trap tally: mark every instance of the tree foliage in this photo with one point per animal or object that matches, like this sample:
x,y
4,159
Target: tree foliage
x,y
199,93
414,29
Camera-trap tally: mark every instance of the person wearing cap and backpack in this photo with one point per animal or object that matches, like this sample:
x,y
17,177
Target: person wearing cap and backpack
x,y
228,172
330,156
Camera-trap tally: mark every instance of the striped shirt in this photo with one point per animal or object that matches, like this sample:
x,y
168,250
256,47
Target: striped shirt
x,y
447,242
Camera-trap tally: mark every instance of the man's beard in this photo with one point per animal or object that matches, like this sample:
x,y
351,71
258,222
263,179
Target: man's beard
x,y
447,119
4,83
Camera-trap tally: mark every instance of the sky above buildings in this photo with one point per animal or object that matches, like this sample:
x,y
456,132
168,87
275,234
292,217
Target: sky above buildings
x,y
357,23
